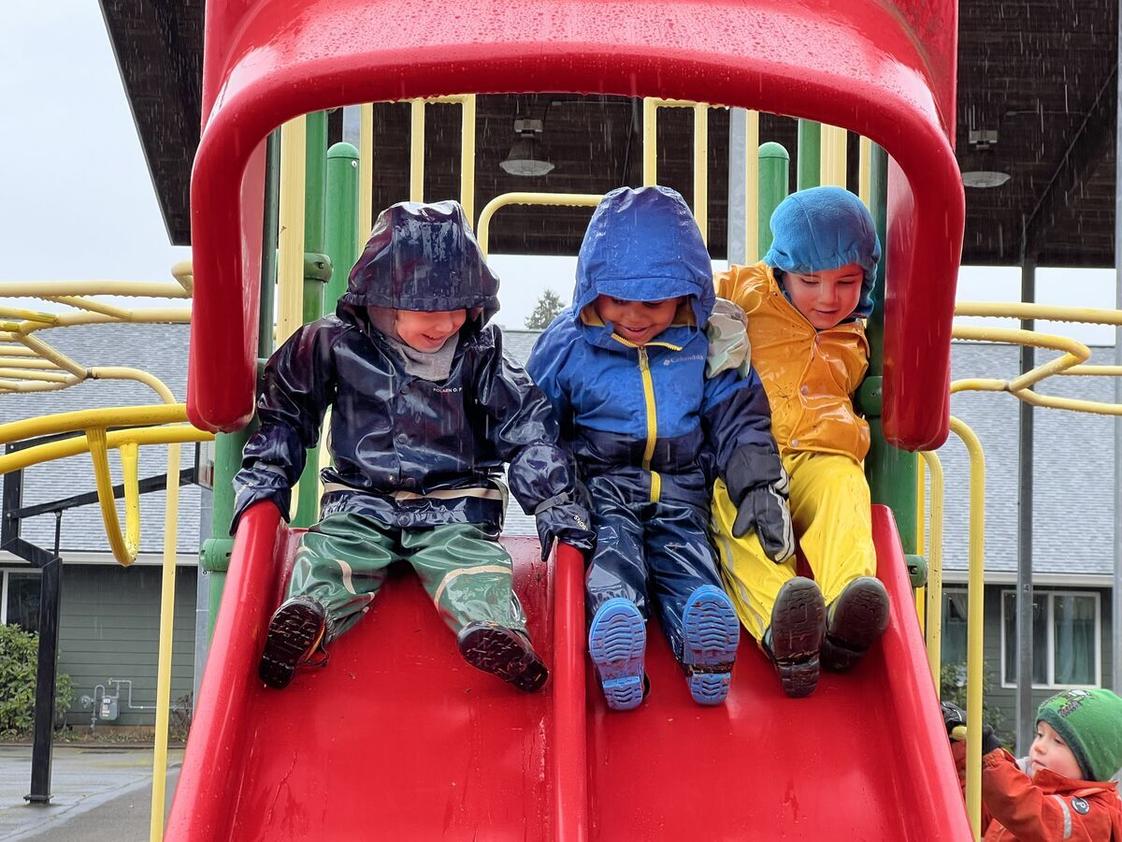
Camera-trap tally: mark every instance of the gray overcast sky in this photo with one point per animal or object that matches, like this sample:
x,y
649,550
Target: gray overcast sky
x,y
76,200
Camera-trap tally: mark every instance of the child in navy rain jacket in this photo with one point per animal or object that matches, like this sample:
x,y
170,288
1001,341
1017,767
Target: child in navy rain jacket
x,y
625,367
426,408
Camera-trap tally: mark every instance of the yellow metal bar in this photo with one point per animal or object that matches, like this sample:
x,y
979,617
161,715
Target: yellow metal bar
x,y
921,521
701,168
47,352
832,155
9,349
752,188
124,550
146,315
974,629
20,387
91,305
865,170
45,289
19,314
650,141
417,150
184,273
290,262
26,362
140,376
1094,370
467,157
935,569
119,416
164,434
483,229
130,481
24,373
365,172
1021,310
163,672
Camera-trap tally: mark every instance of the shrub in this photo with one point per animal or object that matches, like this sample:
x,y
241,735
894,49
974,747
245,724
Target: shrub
x,y
18,659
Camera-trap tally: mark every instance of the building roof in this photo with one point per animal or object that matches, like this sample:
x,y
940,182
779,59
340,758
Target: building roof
x,y
1073,477
1036,99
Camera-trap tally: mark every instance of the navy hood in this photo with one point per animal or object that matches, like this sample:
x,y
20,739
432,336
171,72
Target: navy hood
x,y
644,245
824,228
422,257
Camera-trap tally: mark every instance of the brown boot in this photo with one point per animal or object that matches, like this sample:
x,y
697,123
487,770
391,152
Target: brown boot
x,y
857,618
296,631
798,626
503,652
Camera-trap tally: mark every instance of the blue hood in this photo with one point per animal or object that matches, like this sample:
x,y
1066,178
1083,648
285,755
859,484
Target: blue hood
x,y
644,245
422,257
824,228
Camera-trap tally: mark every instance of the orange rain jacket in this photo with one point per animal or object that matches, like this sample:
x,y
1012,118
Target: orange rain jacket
x,y
1044,808
809,375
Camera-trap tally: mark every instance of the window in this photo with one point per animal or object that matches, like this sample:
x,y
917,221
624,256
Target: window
x,y
19,598
954,627
1066,639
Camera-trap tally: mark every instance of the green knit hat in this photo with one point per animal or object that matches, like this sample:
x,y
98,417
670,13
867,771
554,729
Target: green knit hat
x,y
1090,722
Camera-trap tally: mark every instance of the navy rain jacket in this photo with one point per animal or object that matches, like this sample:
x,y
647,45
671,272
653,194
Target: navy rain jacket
x,y
402,446
650,406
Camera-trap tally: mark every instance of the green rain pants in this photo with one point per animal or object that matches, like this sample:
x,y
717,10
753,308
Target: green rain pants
x,y
343,559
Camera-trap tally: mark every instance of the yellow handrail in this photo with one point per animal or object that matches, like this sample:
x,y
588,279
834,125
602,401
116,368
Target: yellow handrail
x,y
700,152
974,629
934,590
483,229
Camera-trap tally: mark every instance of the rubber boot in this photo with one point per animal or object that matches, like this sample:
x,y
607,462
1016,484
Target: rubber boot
x,y
798,627
617,643
857,618
505,653
711,633
296,631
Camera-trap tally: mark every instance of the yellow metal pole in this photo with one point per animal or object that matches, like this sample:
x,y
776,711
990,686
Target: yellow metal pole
x,y
833,155
163,675
467,157
701,168
974,629
650,141
365,172
752,188
935,569
921,521
80,444
290,262
417,151
865,170
140,289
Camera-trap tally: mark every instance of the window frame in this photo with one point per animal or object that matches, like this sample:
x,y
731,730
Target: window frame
x,y
5,574
1051,594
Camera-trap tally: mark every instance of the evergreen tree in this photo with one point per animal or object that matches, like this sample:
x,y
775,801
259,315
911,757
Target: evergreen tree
x,y
548,306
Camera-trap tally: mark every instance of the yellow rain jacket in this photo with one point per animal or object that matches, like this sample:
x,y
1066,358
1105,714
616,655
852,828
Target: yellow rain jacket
x,y
808,374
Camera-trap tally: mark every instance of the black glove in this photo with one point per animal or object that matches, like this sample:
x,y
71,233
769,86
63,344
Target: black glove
x,y
758,485
563,519
954,718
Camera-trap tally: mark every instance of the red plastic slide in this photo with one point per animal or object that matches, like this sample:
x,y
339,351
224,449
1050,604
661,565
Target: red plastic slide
x,y
398,739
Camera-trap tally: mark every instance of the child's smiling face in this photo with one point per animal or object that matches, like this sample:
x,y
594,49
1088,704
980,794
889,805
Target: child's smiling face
x,y
637,321
428,331
828,297
1049,751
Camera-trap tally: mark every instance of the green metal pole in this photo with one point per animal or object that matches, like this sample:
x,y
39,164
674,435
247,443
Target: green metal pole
x,y
775,165
342,217
810,154
893,473
215,555
307,503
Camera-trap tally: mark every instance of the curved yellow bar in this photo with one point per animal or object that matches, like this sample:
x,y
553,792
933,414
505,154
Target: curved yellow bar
x,y
120,416
934,594
1021,310
568,200
124,549
975,598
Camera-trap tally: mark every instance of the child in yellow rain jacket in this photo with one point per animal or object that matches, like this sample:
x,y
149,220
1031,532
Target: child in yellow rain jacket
x,y
804,303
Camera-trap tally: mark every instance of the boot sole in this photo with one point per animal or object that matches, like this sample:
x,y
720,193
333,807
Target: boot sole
x,y
711,632
294,631
504,653
617,643
798,629
860,617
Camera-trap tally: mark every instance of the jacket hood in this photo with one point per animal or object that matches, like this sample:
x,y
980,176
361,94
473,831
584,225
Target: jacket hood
x,y
824,228
644,245
421,257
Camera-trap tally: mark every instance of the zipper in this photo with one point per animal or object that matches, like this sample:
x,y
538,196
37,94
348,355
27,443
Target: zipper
x,y
652,422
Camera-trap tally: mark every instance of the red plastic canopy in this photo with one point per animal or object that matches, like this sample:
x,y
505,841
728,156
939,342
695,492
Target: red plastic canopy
x,y
883,69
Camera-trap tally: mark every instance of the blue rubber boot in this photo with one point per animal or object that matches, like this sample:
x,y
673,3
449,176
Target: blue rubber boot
x,y
617,641
711,633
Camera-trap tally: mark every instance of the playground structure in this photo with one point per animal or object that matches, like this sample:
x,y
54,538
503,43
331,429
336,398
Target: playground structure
x,y
265,765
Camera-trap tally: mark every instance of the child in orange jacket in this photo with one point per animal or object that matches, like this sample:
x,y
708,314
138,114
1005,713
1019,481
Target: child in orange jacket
x,y
1062,790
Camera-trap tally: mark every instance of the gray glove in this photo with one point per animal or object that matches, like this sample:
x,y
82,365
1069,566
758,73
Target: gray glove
x,y
758,485
565,520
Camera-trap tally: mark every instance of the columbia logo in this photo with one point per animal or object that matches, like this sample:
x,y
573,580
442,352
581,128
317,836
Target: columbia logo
x,y
685,359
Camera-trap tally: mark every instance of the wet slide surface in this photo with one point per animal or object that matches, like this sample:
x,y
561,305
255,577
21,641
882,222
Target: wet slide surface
x,y
397,738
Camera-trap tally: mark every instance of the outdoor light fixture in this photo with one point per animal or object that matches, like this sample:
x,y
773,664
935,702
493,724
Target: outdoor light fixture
x,y
984,178
525,156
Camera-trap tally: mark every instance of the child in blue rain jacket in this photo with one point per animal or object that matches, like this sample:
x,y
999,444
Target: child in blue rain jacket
x,y
625,368
426,408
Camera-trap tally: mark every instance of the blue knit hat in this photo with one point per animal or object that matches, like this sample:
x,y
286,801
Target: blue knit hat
x,y
824,228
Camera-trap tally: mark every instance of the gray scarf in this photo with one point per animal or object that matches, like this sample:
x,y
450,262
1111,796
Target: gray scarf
x,y
427,365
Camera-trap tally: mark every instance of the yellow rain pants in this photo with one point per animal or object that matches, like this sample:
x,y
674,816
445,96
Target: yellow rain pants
x,y
830,514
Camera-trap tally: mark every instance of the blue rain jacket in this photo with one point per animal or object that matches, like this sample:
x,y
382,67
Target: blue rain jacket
x,y
402,446
649,407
